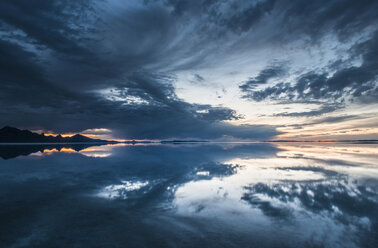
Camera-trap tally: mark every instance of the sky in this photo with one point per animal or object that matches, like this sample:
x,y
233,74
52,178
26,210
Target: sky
x,y
204,69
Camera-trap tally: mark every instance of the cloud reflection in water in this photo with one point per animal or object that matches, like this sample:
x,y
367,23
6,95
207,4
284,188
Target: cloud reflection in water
x,y
213,195
305,194
121,191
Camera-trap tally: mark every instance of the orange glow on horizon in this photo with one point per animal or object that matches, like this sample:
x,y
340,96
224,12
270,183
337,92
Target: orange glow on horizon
x,y
63,149
50,150
67,150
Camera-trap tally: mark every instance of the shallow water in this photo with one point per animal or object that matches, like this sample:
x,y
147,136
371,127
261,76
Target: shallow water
x,y
190,195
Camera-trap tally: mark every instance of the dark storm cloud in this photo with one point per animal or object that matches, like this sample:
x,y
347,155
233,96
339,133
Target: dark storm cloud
x,y
69,66
56,60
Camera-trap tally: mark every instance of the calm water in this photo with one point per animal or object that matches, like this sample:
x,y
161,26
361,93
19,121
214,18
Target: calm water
x,y
192,195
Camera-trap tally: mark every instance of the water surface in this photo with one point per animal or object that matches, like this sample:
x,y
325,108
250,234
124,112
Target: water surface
x,y
189,195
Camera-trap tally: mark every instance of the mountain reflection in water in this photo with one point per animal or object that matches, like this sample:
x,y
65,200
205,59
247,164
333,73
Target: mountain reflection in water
x,y
191,195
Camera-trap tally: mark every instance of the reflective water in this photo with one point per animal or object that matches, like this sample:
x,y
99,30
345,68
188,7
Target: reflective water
x,y
190,195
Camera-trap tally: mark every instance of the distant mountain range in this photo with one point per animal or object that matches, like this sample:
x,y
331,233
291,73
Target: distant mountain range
x,y
15,135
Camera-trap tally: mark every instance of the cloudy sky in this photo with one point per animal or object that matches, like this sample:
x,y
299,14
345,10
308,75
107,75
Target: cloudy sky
x,y
264,69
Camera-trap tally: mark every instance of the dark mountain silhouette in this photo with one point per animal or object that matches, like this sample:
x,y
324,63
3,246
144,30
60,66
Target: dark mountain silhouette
x,y
15,135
